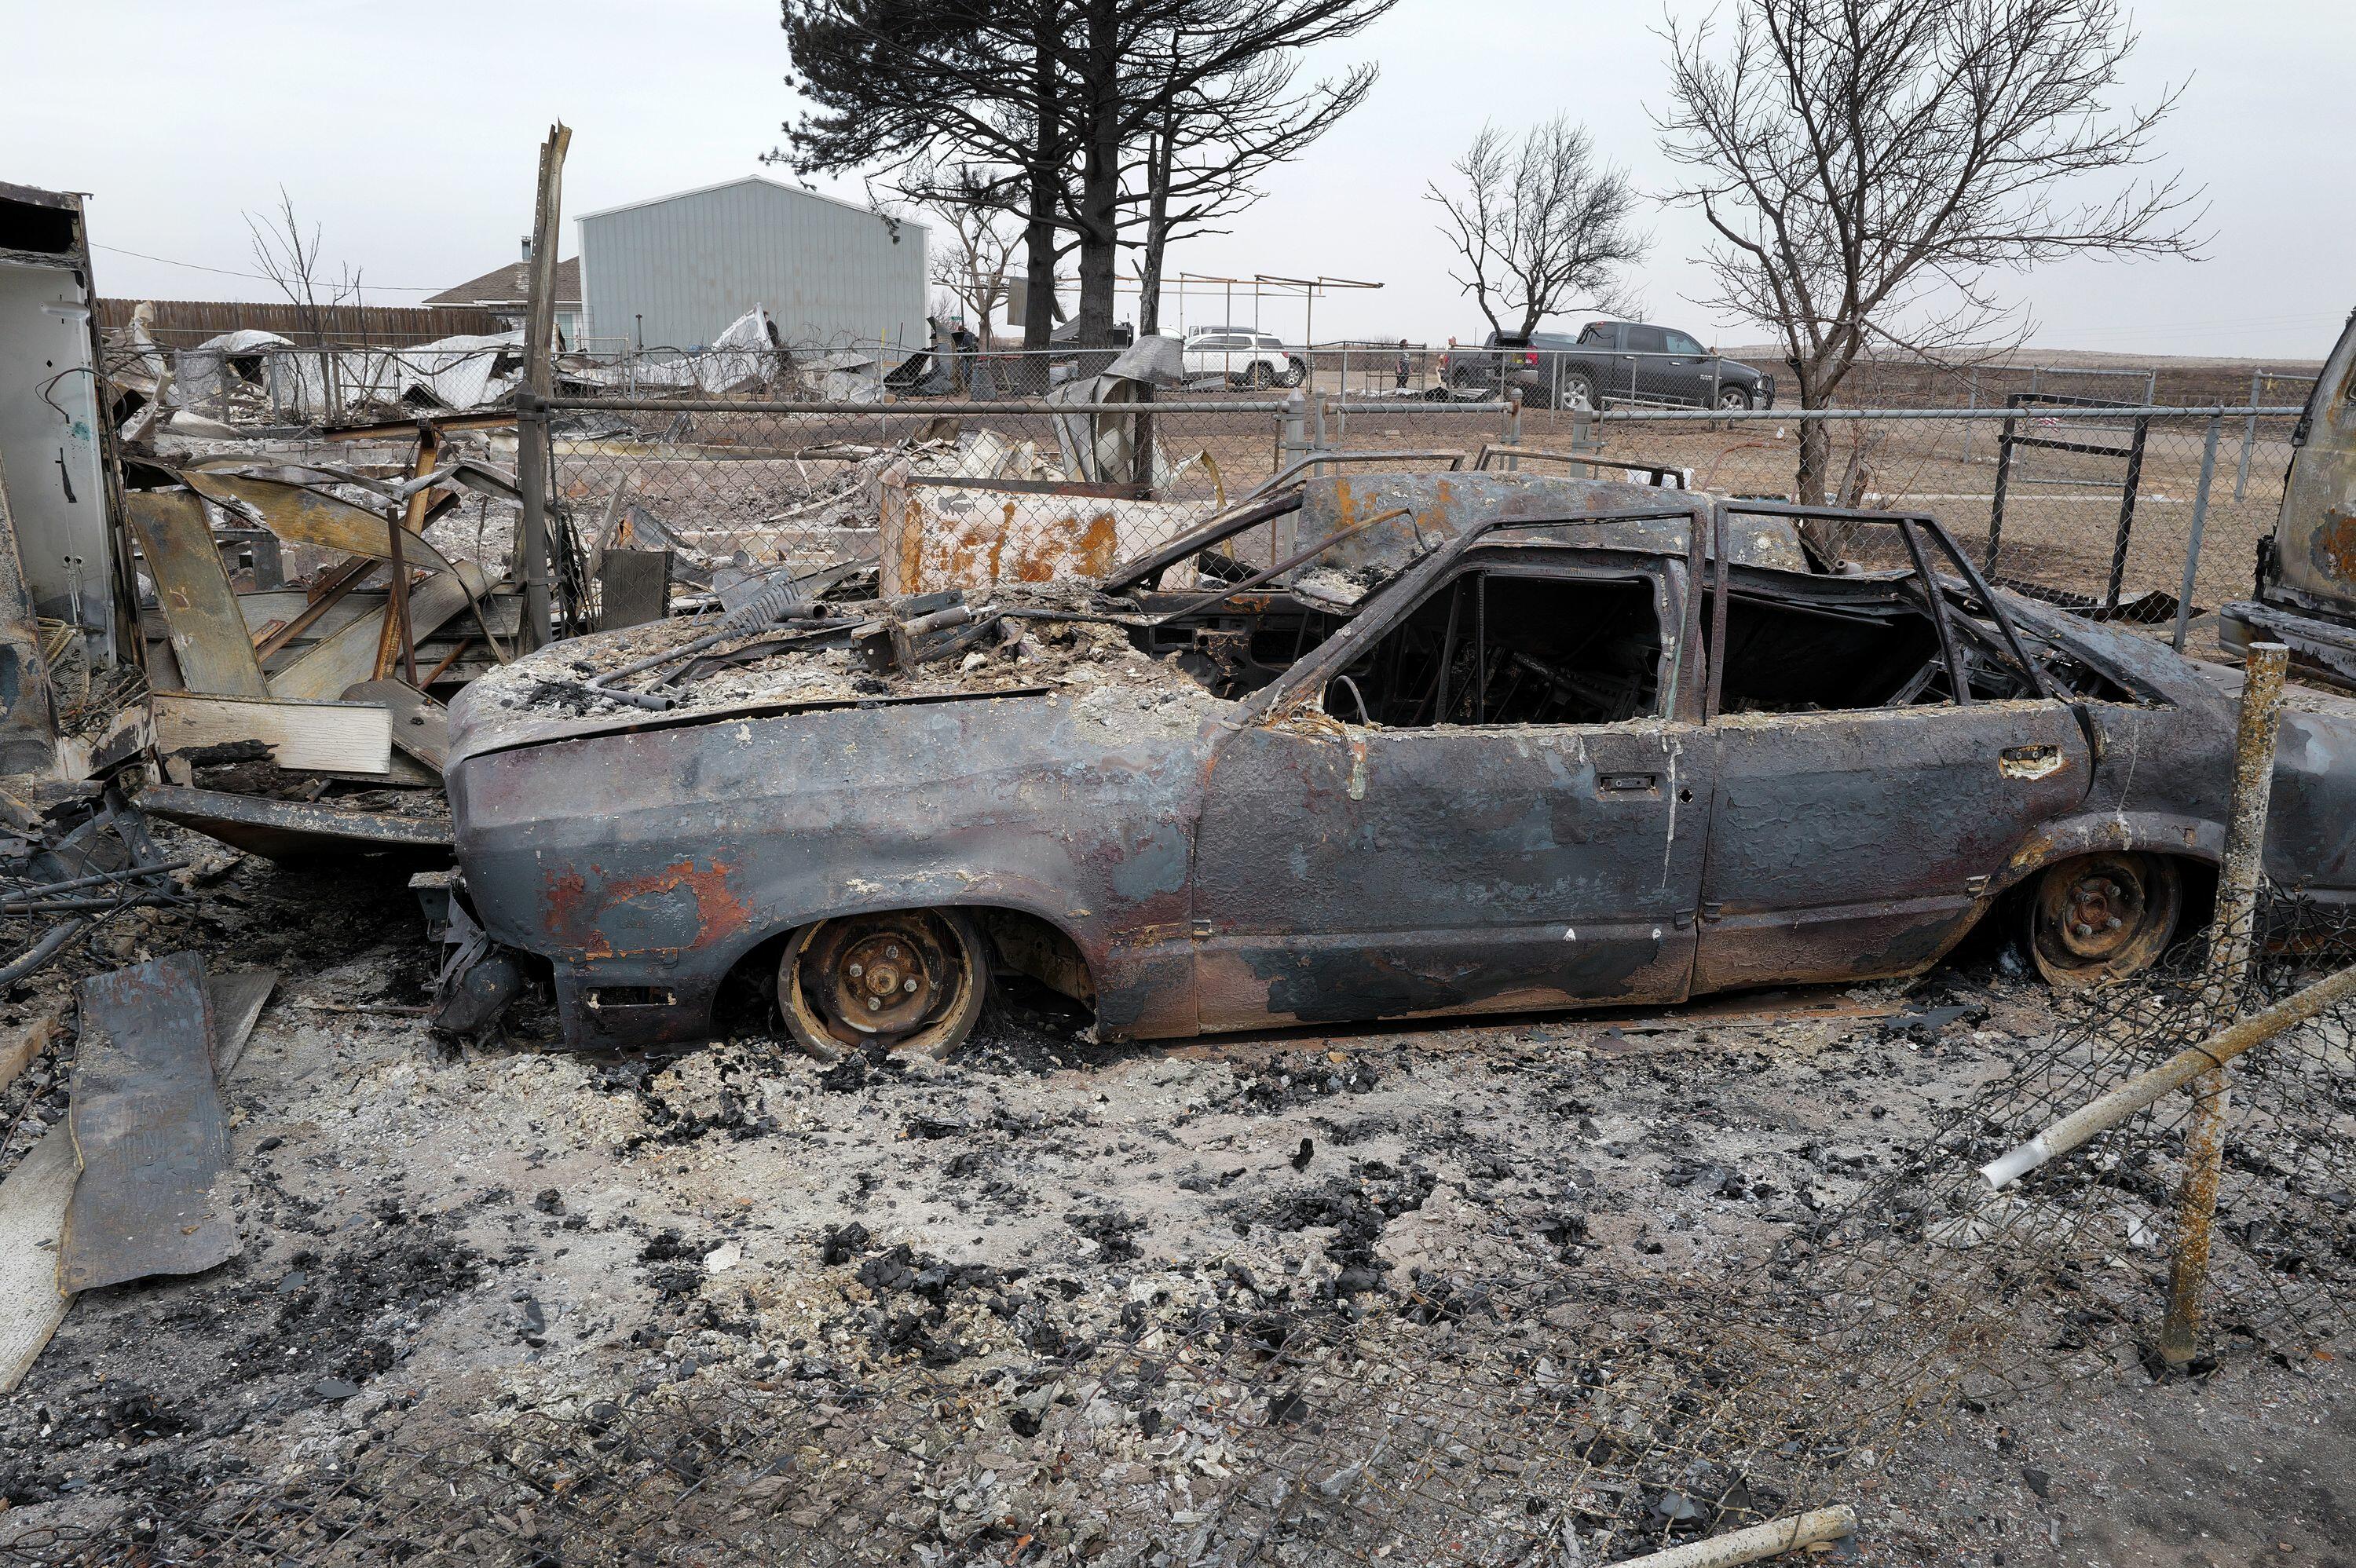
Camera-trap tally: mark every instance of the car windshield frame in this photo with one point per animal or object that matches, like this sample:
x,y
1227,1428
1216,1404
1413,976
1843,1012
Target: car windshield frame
x,y
1683,700
1302,686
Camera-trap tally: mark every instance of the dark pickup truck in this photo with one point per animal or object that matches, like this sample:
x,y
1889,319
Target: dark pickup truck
x,y
1609,362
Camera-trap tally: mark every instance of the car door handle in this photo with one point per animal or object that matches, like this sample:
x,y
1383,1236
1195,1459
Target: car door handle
x,y
1627,783
2034,761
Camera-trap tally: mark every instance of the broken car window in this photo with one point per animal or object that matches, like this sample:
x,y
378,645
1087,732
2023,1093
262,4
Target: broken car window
x,y
1512,646
1789,652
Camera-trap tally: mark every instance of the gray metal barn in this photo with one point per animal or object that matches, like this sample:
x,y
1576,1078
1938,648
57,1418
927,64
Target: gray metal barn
x,y
674,271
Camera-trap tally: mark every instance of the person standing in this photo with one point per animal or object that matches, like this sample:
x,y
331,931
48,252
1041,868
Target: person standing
x,y
962,343
1403,365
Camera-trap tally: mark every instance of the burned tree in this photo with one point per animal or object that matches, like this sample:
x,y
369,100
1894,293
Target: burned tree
x,y
1540,224
1865,165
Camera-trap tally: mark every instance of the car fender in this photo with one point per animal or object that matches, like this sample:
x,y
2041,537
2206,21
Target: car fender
x,y
2088,833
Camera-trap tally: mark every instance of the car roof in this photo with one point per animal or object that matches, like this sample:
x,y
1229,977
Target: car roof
x,y
1633,518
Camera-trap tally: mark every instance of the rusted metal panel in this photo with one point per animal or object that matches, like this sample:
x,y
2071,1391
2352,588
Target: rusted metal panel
x,y
978,536
208,632
1441,505
154,1193
305,516
421,726
347,656
1847,844
2307,572
28,726
1347,874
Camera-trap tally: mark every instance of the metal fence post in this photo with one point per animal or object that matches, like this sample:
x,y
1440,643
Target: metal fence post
x,y
2232,933
2192,540
531,536
2249,435
2127,514
2003,482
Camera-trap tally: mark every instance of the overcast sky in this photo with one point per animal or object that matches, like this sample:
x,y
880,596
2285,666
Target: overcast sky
x,y
409,133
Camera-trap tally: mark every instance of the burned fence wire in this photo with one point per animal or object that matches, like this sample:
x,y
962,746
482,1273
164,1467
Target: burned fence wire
x,y
1566,1404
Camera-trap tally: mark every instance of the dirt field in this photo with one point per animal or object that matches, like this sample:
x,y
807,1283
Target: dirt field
x,y
1495,1294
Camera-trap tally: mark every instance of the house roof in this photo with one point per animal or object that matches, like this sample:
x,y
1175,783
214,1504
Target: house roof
x,y
511,285
749,179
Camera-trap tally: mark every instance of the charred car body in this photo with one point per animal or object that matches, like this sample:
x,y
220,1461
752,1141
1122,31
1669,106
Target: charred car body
x,y
1467,742
2307,571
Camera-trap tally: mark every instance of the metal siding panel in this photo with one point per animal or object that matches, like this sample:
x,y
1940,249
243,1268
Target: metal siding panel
x,y
692,265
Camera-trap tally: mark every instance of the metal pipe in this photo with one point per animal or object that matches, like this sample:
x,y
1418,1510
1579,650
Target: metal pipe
x,y
1757,1542
2192,539
1718,594
45,888
2148,1089
1229,591
2232,931
1959,685
924,409
52,941
1835,416
2127,514
2003,479
569,403
2249,437
129,900
531,534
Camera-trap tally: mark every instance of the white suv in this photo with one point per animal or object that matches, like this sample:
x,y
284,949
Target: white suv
x,y
1241,358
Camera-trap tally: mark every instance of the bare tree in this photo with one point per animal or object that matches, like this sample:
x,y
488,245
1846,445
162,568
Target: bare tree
x,y
292,260
1059,96
1866,166
975,263
1539,224
1205,142
930,95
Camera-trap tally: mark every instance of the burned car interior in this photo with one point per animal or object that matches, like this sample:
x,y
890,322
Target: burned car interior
x,y
1513,644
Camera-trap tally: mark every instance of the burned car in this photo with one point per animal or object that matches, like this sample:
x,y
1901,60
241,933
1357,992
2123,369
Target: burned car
x,y
1466,742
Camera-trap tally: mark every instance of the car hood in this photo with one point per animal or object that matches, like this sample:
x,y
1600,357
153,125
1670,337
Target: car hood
x,y
547,696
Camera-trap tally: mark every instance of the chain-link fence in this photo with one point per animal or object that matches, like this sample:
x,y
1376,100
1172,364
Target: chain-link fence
x,y
2098,505
1559,1403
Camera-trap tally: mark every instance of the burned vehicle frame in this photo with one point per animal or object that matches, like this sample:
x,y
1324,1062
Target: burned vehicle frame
x,y
1487,742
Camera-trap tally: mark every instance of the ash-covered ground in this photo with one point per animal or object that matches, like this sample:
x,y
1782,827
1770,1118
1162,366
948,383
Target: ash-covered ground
x,y
1063,1302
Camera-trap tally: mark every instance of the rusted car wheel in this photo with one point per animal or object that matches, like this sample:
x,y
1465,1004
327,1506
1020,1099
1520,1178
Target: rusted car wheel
x,y
913,980
2099,918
